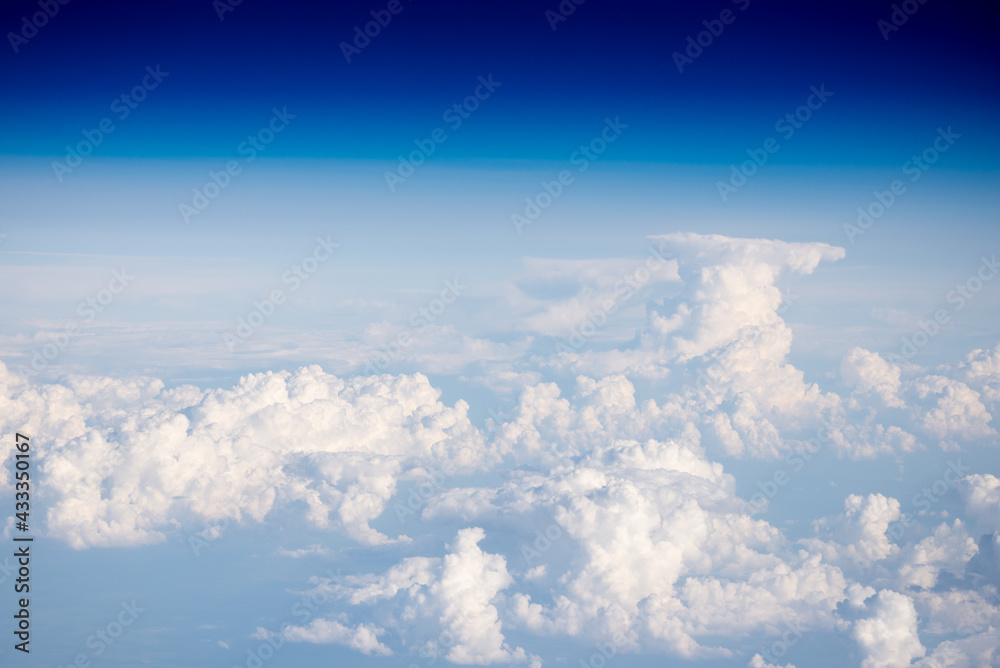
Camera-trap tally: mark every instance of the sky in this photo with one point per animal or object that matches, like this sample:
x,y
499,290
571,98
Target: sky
x,y
528,333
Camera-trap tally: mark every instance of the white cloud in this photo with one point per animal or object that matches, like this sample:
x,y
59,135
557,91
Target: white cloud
x,y
757,661
981,494
888,638
125,461
310,551
470,580
867,372
956,411
949,548
363,637
979,651
858,535
459,591
595,511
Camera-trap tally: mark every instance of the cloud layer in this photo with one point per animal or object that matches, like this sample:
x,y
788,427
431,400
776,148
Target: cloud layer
x,y
599,509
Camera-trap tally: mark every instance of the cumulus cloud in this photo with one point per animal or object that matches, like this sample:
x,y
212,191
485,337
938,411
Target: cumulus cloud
x,y
311,550
956,411
363,637
126,461
458,591
981,494
980,650
949,548
867,372
858,535
888,638
596,509
634,536
730,285
470,579
757,661
561,293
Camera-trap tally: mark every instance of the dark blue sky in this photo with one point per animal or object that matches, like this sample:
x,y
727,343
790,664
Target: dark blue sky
x,y
606,59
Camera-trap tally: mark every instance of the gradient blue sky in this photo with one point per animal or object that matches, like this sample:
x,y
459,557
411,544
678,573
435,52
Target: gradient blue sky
x,y
325,175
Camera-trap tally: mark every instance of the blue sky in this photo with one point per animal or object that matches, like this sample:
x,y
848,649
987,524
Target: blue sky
x,y
356,333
